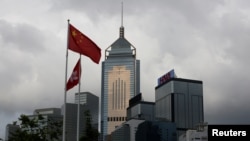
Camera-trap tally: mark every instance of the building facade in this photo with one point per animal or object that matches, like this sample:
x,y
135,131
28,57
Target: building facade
x,y
156,131
126,131
51,117
120,82
90,102
139,109
10,129
199,134
180,101
71,121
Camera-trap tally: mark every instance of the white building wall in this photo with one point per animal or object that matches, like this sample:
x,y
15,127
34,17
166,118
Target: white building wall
x,y
195,135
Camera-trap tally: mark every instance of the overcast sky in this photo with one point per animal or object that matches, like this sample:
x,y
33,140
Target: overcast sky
x,y
201,39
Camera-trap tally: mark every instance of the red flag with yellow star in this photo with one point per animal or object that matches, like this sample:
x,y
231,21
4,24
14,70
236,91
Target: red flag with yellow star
x,y
80,43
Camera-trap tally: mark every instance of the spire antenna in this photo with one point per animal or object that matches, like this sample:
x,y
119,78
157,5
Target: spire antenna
x,y
122,14
122,28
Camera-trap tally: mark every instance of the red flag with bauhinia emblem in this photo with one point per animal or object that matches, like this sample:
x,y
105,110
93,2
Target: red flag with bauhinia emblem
x,y
75,76
80,43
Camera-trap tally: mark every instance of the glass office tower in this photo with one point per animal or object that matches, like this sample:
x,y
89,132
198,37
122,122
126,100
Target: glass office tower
x,y
88,101
91,103
120,82
180,101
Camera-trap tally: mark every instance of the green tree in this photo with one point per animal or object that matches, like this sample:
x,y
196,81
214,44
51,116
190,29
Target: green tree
x,y
37,129
91,134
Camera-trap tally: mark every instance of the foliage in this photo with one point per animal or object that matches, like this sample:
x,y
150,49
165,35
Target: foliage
x,y
91,134
37,129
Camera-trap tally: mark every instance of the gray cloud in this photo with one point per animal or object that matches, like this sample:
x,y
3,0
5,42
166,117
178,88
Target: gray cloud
x,y
21,36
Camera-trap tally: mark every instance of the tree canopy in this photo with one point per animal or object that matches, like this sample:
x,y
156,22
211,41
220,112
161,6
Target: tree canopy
x,y
37,128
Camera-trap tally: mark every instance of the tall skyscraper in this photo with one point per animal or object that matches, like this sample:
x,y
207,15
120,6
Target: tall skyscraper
x,y
179,100
120,82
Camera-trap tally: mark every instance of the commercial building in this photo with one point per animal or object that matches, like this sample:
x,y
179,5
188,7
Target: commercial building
x,y
10,129
45,118
88,101
120,82
198,134
48,111
139,109
126,131
71,121
180,101
137,112
156,131
50,117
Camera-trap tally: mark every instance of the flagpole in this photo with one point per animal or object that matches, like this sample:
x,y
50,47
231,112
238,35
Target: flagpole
x,y
65,86
78,109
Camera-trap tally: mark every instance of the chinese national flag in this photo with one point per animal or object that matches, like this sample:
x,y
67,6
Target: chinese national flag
x,y
75,76
80,43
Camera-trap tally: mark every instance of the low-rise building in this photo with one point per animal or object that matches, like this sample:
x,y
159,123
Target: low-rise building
x,y
199,134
